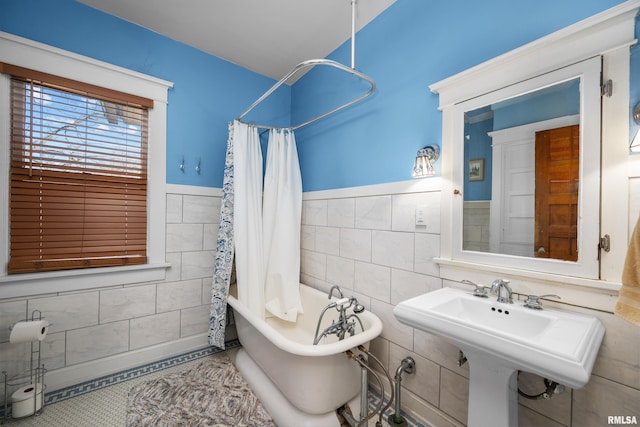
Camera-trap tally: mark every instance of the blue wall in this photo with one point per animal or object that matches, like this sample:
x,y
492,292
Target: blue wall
x,y
208,92
411,45
478,146
543,106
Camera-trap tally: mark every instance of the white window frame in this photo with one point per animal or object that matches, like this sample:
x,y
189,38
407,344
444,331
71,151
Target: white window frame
x,y
40,57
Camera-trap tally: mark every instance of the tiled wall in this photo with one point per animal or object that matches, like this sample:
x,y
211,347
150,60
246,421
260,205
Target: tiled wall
x,y
106,322
476,220
371,246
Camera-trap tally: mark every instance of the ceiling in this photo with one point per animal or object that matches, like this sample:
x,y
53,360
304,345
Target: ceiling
x,y
266,36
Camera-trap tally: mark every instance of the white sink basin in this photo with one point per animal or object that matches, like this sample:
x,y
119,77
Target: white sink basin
x,y
499,339
557,345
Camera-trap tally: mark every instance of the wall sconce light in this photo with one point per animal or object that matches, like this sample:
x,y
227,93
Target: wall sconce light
x,y
425,159
635,143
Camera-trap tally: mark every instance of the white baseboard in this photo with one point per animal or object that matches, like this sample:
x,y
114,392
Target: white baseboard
x,y
76,374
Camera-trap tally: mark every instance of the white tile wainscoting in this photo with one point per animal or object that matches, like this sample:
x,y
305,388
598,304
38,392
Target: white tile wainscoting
x,y
364,239
109,329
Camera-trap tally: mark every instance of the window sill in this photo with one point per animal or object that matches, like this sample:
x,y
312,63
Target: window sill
x,y
24,285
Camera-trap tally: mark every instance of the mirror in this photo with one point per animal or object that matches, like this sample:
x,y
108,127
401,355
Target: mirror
x,y
521,174
517,208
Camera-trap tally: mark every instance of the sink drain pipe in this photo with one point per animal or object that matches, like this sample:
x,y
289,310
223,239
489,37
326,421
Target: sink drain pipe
x,y
408,365
551,388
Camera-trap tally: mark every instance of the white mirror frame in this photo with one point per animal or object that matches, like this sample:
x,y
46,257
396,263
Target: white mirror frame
x,y
589,190
608,34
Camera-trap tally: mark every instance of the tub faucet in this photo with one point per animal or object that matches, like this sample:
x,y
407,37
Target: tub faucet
x,y
346,322
337,288
501,288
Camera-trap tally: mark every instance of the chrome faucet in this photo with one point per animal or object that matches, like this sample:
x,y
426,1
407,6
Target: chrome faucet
x,y
336,288
501,288
479,291
346,322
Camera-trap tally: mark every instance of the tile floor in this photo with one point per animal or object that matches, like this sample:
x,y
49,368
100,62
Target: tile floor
x,y
103,402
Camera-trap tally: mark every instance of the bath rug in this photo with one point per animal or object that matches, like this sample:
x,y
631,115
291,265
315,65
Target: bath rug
x,y
211,394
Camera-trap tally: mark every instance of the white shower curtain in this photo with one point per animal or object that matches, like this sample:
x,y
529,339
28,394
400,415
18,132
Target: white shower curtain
x,y
247,213
265,239
282,209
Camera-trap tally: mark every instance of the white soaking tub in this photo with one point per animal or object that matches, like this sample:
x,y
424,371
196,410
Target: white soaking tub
x,y
301,384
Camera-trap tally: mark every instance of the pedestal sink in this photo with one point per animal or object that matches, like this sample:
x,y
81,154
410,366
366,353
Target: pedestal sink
x,y
500,339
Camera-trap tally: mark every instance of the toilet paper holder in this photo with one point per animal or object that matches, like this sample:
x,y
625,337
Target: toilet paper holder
x,y
25,384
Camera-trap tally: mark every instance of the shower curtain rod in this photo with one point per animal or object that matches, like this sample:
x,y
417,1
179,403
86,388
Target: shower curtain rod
x,y
313,63
301,66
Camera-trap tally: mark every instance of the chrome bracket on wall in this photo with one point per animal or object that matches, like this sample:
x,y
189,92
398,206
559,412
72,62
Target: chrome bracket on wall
x,y
606,89
605,243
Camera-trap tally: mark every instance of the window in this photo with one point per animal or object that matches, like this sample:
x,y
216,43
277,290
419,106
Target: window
x,y
104,82
78,174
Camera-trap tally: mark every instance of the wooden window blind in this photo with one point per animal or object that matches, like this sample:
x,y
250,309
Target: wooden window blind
x,y
78,174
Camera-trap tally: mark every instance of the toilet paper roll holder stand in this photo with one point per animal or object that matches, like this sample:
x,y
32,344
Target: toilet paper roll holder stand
x,y
34,376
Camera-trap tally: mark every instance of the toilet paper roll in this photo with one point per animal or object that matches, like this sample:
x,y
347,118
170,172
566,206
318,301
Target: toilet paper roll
x,y
28,331
22,401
